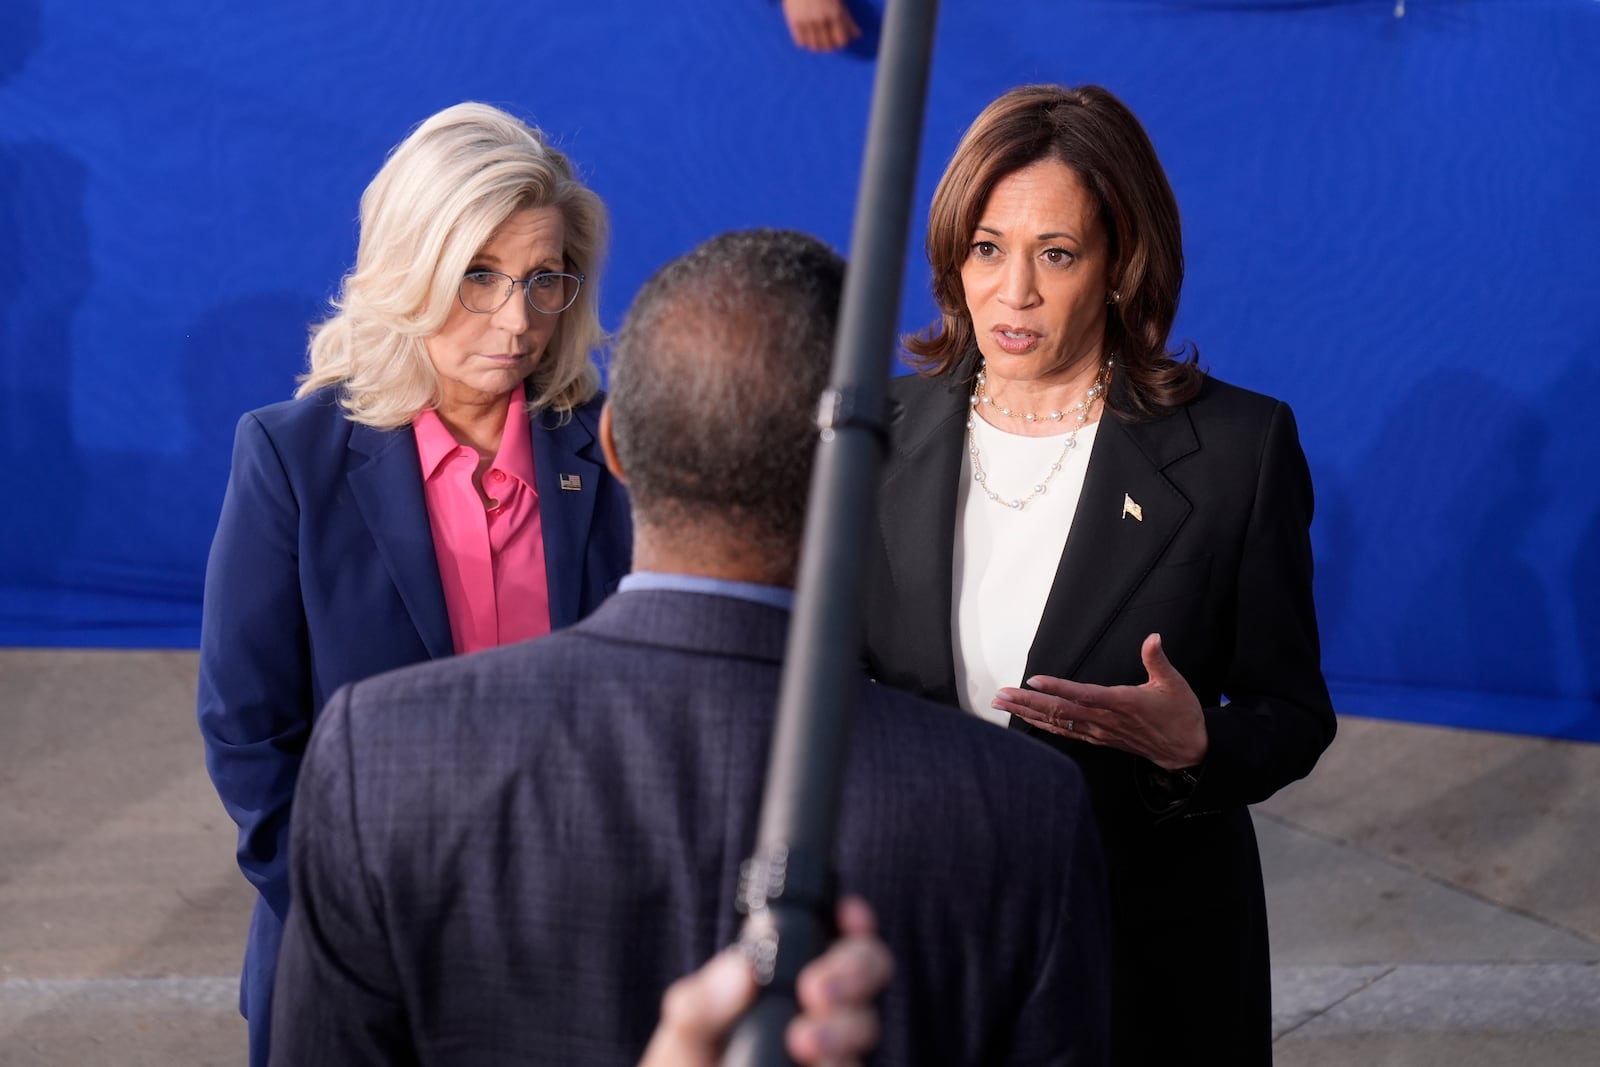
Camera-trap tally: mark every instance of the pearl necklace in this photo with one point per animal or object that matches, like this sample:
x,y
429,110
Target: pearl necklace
x,y
1079,413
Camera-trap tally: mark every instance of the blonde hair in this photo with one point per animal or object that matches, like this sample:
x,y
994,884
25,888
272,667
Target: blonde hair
x,y
433,205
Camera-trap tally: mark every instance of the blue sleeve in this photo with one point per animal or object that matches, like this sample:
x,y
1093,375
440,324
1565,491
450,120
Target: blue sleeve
x,y
255,704
608,556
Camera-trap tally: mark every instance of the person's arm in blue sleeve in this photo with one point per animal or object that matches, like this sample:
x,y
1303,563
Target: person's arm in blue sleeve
x,y
255,695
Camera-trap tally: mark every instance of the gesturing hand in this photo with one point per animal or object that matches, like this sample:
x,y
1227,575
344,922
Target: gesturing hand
x,y
1160,720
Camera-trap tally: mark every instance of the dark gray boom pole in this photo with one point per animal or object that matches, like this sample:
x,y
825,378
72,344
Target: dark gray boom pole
x,y
785,889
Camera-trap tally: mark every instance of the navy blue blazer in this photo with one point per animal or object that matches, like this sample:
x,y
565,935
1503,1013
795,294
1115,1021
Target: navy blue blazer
x,y
506,857
323,572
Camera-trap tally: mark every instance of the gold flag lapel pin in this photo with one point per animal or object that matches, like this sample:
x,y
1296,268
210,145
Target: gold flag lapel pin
x,y
572,483
1130,508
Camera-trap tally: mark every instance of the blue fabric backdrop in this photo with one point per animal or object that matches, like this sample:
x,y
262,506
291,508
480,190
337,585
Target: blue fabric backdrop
x,y
1391,222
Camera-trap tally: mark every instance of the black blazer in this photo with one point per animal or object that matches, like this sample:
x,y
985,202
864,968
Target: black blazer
x,y
1220,565
506,857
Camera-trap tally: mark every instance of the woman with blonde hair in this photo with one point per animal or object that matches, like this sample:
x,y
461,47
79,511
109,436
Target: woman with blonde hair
x,y
434,487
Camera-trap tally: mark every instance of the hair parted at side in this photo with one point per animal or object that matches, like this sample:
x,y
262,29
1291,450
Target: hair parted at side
x,y
433,205
1094,133
714,382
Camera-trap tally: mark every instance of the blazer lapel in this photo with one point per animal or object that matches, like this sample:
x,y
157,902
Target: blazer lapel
x,y
567,472
1127,516
385,480
918,518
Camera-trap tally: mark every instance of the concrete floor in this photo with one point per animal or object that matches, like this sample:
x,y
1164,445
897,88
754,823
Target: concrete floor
x,y
122,914
1435,900
1434,894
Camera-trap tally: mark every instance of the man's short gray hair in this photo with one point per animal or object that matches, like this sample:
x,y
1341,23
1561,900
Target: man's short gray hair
x,y
715,380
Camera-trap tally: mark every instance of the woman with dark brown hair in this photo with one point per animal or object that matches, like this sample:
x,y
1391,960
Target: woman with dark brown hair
x,y
1086,537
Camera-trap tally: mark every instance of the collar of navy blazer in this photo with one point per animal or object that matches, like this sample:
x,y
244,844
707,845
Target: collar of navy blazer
x,y
385,481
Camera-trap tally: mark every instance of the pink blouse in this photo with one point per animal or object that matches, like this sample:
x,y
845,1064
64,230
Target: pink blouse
x,y
491,561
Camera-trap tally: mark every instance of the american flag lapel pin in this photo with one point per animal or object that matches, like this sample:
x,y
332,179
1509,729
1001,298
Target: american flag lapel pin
x,y
1130,508
572,483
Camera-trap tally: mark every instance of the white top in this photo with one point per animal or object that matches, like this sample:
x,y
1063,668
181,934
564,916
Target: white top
x,y
1006,558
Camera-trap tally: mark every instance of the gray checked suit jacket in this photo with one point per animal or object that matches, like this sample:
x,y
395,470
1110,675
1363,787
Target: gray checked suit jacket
x,y
506,857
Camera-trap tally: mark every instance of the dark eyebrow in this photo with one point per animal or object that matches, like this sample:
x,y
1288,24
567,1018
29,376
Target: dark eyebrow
x,y
1040,237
